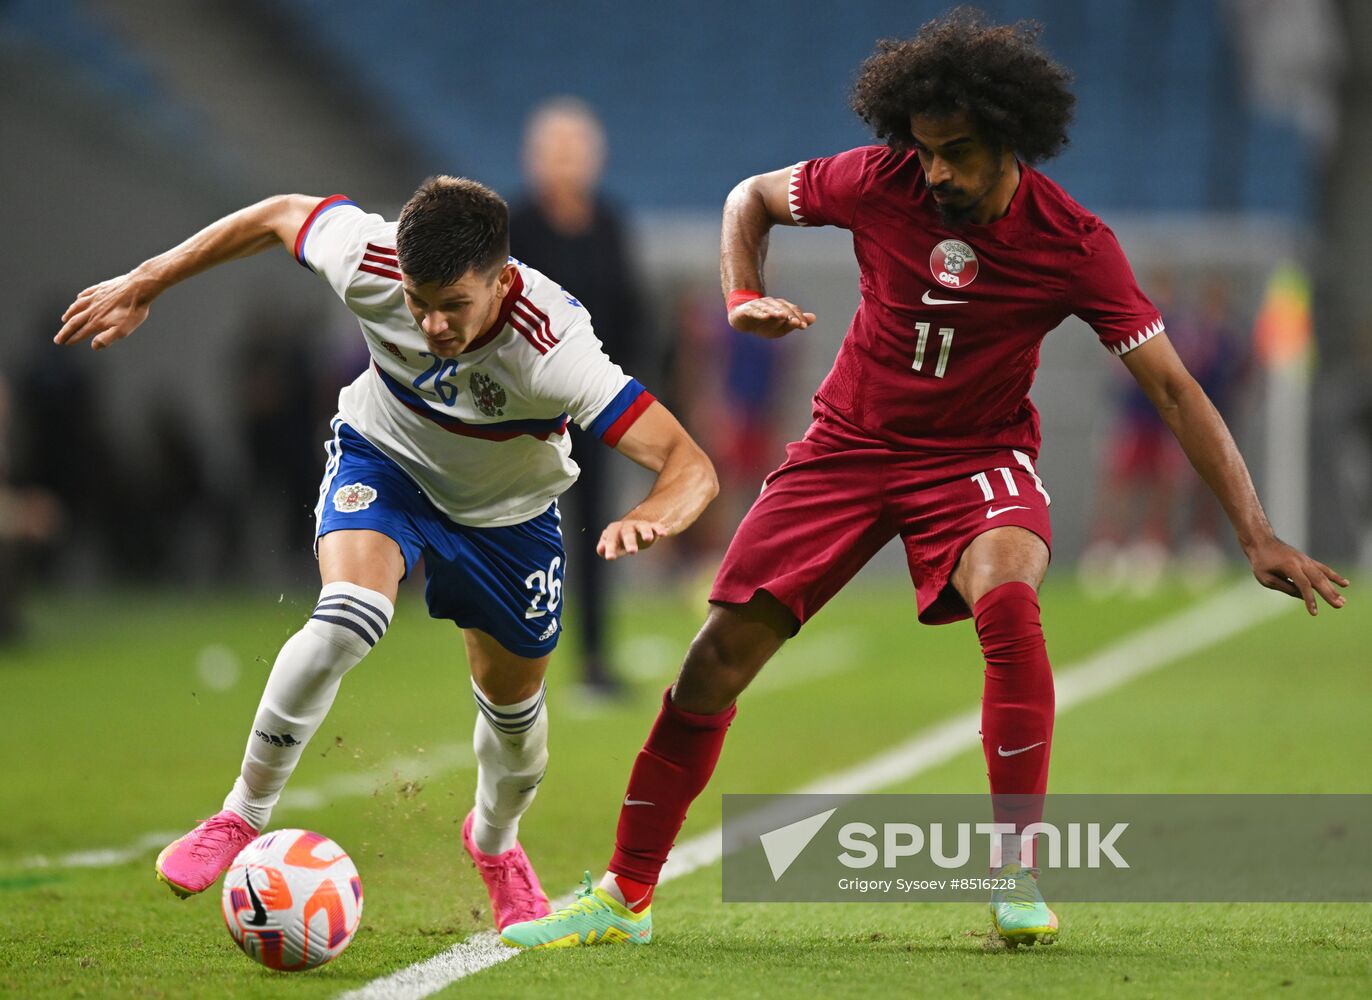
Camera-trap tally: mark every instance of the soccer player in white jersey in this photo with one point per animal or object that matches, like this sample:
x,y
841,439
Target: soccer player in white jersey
x,y
452,444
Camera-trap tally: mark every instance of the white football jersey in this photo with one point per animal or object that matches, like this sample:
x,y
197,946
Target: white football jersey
x,y
484,434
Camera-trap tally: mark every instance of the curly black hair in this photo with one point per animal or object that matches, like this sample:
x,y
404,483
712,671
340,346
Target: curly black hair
x,y
1015,94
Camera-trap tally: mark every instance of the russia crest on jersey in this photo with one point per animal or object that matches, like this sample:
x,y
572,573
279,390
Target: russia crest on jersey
x,y
954,264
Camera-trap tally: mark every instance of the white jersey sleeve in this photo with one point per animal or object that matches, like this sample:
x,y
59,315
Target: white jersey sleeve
x,y
349,248
592,390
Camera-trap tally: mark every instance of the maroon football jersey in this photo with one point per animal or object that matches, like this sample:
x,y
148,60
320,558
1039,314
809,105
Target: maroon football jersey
x,y
945,343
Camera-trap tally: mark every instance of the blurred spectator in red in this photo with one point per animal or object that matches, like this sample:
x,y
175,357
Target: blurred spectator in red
x,y
1137,479
563,225
725,387
1217,355
1145,489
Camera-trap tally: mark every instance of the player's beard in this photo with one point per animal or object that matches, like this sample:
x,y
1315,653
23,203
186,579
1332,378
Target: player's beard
x,y
955,215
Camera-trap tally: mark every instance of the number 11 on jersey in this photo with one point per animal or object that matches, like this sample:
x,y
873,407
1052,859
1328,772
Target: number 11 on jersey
x,y
946,333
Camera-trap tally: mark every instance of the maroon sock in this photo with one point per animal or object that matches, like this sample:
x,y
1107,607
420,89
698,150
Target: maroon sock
x,y
1017,706
673,767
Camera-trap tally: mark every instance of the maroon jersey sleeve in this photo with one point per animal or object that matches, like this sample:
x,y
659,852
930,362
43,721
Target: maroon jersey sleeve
x,y
1104,293
827,191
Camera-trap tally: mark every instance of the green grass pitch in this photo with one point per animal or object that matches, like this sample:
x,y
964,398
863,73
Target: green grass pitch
x,y
114,725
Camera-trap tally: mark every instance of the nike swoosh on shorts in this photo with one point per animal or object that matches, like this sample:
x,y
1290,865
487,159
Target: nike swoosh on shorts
x,y
992,512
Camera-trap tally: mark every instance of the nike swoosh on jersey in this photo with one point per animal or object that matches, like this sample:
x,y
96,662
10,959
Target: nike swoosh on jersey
x,y
1010,753
637,802
929,300
993,512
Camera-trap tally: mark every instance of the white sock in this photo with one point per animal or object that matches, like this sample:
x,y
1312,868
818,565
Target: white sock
x,y
347,622
511,743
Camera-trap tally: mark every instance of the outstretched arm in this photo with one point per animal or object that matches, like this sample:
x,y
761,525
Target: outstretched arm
x,y
1207,442
750,211
685,483
113,309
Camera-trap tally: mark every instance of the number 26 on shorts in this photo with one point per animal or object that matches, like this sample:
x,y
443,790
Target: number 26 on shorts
x,y
544,583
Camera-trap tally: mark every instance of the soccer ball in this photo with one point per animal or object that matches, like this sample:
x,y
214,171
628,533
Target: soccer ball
x,y
292,900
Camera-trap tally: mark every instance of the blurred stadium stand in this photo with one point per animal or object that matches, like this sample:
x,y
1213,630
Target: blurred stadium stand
x,y
134,124
1161,124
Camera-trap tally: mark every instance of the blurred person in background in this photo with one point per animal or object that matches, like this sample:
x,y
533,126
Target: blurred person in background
x,y
54,401
1220,358
1137,478
29,519
563,225
1151,511
176,526
725,386
282,421
450,444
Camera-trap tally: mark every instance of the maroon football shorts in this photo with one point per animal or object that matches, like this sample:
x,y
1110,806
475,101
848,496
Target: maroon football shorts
x,y
837,500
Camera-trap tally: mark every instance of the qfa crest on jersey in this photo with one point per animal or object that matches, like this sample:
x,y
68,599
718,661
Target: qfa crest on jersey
x,y
358,496
954,264
488,394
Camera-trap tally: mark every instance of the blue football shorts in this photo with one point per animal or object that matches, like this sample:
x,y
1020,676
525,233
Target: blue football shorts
x,y
505,581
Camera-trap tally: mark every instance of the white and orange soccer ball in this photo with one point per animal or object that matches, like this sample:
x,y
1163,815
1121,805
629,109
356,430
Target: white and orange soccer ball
x,y
292,900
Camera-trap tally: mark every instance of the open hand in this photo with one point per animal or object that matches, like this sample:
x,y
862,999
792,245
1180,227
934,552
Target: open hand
x,y
626,537
769,317
105,313
1278,566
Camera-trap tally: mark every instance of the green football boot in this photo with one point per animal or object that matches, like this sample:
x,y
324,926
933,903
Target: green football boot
x,y
1019,915
594,917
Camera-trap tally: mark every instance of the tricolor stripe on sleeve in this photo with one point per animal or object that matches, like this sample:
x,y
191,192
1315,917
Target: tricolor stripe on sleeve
x,y
332,201
621,412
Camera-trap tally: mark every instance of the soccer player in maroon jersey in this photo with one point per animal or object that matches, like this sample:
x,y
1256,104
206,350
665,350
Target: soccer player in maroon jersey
x,y
923,429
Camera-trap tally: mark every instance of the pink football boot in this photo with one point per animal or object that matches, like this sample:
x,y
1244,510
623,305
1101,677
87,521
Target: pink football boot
x,y
191,863
510,881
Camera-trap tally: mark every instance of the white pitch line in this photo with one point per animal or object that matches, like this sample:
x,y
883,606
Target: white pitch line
x,y
102,857
1188,632
446,757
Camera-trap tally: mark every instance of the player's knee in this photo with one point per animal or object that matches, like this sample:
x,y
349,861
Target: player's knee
x,y
509,689
350,618
1008,555
983,582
